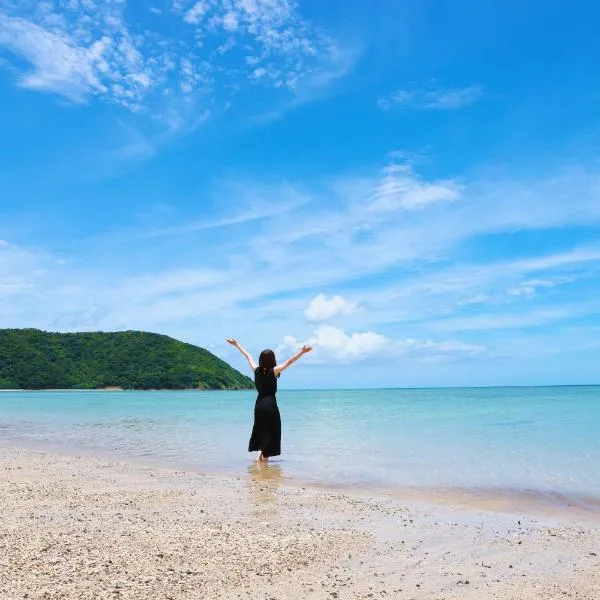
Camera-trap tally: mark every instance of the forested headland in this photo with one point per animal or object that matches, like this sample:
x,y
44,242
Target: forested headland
x,y
32,359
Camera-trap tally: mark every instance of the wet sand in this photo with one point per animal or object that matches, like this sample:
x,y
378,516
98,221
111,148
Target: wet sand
x,y
77,527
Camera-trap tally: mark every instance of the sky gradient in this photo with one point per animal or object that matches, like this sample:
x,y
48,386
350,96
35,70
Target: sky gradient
x,y
411,186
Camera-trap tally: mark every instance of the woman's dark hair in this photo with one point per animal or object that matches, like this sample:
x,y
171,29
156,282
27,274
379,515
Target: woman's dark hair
x,y
267,361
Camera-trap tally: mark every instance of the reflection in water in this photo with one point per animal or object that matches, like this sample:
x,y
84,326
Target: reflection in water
x,y
265,480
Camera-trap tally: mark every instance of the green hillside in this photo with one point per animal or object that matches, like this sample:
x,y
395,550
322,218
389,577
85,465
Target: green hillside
x,y
33,359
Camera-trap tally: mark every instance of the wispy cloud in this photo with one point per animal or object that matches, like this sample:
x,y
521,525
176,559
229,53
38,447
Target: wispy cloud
x,y
84,52
336,62
432,98
491,322
196,54
400,189
480,289
530,287
22,270
268,39
396,259
253,203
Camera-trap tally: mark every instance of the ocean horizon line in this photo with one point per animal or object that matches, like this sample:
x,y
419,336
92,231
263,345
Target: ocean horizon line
x,y
318,389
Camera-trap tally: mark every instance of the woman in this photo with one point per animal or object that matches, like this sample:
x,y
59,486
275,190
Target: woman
x,y
266,433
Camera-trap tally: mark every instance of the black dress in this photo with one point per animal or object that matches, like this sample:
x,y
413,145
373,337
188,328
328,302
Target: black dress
x,y
266,433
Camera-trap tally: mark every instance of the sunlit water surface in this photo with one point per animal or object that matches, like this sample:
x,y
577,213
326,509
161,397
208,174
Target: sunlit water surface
x,y
543,439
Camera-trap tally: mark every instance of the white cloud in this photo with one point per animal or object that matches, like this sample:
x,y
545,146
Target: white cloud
x,y
529,288
331,344
258,73
230,21
90,49
348,241
196,12
276,44
399,188
433,98
321,308
334,345
401,265
84,53
72,71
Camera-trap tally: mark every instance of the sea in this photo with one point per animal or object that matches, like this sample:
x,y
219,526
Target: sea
x,y
544,439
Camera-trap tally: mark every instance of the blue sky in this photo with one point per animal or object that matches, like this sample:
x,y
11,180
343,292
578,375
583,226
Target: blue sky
x,y
413,187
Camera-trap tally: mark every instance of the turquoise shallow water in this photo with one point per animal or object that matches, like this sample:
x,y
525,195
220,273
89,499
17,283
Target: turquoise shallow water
x,y
542,439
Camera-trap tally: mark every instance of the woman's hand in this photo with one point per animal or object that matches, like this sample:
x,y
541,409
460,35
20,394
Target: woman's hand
x,y
290,361
247,354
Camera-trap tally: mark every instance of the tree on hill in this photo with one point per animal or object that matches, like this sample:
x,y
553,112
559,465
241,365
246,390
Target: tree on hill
x,y
34,359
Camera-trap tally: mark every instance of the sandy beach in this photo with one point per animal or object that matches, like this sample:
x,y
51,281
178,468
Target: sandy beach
x,y
78,527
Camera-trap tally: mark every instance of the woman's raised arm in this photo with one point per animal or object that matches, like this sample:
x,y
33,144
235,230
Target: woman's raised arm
x,y
290,361
247,354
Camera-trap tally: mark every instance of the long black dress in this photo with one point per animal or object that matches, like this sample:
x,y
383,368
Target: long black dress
x,y
266,433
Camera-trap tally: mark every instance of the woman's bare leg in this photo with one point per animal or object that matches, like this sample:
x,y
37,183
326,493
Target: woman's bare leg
x,y
259,457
